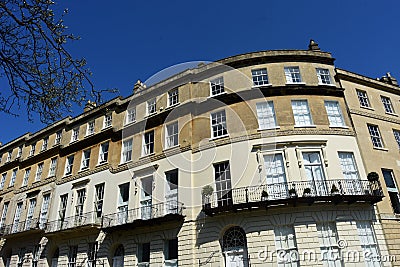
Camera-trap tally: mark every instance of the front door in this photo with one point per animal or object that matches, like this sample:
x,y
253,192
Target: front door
x,y
315,173
146,198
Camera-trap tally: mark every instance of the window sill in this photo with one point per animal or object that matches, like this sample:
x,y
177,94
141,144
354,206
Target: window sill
x,y
89,135
381,148
266,129
125,162
171,148
150,115
212,96
327,84
299,83
102,163
306,126
391,114
339,127
261,85
172,106
218,137
75,141
147,155
369,108
129,123
106,128
67,175
83,169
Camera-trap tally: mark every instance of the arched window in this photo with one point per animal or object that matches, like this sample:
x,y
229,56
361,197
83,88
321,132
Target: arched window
x,y
118,258
54,258
234,247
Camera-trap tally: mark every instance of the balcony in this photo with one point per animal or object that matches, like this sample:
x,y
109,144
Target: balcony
x,y
145,215
293,193
30,226
85,221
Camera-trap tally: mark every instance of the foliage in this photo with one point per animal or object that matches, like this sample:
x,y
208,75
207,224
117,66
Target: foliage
x,y
207,190
334,189
40,72
372,177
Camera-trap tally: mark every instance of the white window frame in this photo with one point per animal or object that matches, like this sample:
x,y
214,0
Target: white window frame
x,y
103,153
376,137
3,180
45,143
107,121
26,176
33,148
171,135
301,113
328,236
44,211
334,112
72,256
9,156
39,171
293,75
53,167
90,128
148,145
75,134
85,159
99,199
57,139
266,115
13,176
17,217
130,115
218,124
217,86
260,77
363,98
324,76
127,150
368,242
387,104
151,106
69,165
396,134
286,246
173,97
30,213
19,153
4,214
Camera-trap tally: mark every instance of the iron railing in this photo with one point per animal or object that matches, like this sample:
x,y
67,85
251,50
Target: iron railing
x,y
143,213
27,225
288,190
89,218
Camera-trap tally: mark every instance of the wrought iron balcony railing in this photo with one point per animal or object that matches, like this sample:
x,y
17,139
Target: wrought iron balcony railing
x,y
143,213
85,219
350,190
23,226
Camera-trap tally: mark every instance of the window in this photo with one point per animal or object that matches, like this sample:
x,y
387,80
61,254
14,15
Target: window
x,y
275,175
171,252
127,150
75,134
266,115
375,136
21,257
348,165
58,138
392,189
69,165
171,193
99,200
315,172
44,211
301,113
286,246
335,116
118,259
260,77
107,120
217,86
387,104
171,135
9,156
53,166
90,128
85,159
173,97
123,203
80,202
45,143
218,124
363,99
103,157
72,253
222,176
323,76
35,255
31,210
19,153
396,134
26,177
292,75
17,216
151,106
13,176
39,172
143,254
4,215
131,115
368,243
148,143
32,151
234,247
330,252
91,254
63,206
3,180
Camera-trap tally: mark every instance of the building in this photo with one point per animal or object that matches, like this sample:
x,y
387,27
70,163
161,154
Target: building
x,y
251,160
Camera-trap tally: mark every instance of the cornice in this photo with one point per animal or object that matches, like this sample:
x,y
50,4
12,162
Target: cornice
x,y
374,116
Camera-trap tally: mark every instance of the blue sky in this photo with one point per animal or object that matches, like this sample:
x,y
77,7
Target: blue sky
x,y
124,41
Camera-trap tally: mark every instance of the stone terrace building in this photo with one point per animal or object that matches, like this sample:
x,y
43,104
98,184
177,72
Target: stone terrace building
x,y
249,161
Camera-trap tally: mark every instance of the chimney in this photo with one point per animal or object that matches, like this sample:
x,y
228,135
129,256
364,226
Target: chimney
x,y
89,106
138,86
313,46
389,79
